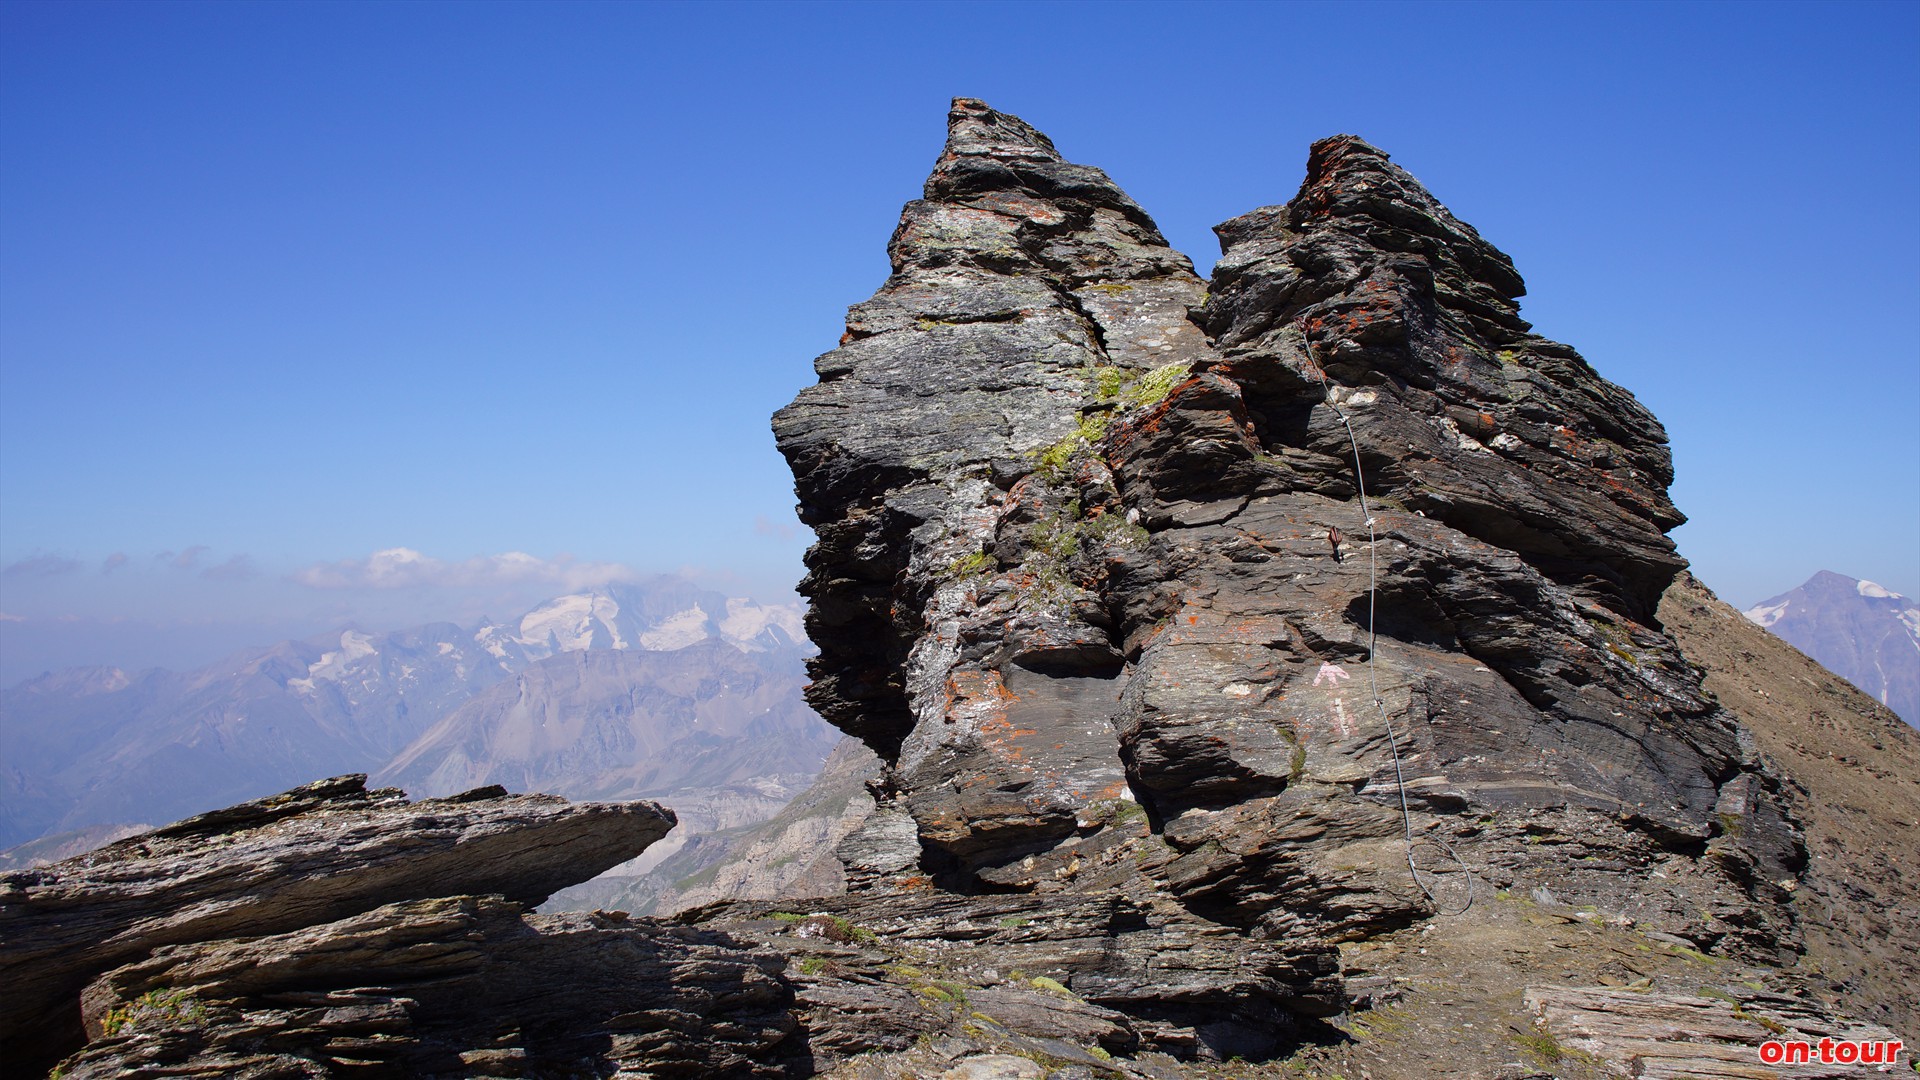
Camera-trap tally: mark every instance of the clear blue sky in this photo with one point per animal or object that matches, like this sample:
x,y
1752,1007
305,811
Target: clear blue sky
x,y
285,285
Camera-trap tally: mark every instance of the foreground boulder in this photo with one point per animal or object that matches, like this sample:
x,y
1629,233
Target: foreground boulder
x,y
456,986
313,855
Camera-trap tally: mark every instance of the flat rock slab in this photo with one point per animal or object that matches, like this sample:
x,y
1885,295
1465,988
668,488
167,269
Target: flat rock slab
x,y
1126,975
314,854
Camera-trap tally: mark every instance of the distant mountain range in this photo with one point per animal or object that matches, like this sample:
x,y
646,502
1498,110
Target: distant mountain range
x,y
1856,629
660,689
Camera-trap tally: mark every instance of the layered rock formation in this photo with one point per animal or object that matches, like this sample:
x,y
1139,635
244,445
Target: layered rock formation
x,y
332,925
1075,556
1311,603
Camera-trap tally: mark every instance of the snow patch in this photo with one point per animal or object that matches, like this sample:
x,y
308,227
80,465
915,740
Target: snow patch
x,y
1911,619
746,620
446,648
570,624
1868,588
332,666
676,631
564,624
1765,615
488,638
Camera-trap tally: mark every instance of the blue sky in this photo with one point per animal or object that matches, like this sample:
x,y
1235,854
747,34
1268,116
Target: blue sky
x,y
283,286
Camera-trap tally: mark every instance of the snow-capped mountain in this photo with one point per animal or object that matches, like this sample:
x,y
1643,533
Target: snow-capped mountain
x,y
100,746
665,615
1856,629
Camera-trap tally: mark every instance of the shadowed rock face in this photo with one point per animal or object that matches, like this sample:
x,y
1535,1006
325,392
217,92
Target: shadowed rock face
x,y
1094,578
452,986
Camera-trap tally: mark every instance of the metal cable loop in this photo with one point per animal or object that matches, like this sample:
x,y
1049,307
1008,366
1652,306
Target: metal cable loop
x,y
1373,679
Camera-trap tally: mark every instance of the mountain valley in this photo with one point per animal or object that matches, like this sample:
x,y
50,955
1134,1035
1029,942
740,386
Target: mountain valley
x,y
621,692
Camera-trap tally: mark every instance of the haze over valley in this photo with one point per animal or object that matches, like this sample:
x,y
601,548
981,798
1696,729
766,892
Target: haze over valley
x,y
622,691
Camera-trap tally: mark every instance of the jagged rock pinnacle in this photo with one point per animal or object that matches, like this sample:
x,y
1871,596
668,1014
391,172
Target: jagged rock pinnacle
x,y
976,130
1073,510
1350,178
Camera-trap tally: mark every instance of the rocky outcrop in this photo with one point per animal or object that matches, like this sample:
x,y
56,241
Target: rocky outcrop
x,y
1697,1037
1096,579
1315,602
1123,974
454,986
308,858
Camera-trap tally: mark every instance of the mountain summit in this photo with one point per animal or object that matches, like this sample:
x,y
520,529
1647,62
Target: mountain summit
x,y
1858,630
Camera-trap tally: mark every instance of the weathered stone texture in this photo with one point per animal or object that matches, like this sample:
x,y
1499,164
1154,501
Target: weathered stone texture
x,y
1096,580
313,855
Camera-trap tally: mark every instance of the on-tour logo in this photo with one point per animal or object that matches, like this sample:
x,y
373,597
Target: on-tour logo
x,y
1830,1051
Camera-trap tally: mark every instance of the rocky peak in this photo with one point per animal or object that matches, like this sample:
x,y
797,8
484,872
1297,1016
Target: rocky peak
x,y
1461,413
976,132
1096,579
991,154
1857,629
1029,298
1355,185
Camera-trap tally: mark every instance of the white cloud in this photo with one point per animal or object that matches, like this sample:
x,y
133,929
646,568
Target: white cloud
x,y
238,568
41,566
405,568
184,560
778,530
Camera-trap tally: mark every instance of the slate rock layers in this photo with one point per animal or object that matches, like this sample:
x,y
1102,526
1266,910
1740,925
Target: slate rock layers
x,y
1094,578
334,930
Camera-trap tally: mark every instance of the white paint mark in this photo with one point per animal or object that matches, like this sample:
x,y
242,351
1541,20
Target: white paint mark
x,y
1331,674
